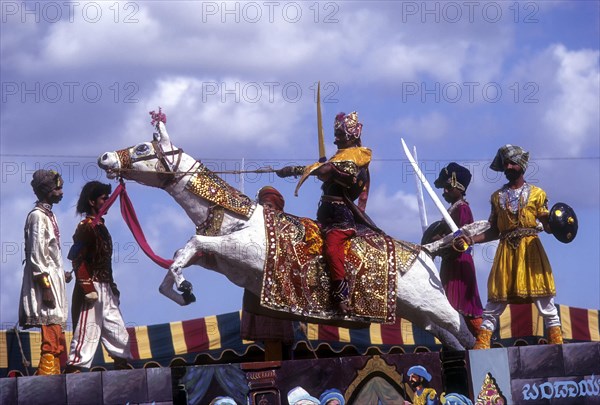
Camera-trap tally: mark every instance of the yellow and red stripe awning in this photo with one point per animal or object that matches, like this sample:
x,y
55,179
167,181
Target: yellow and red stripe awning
x,y
214,335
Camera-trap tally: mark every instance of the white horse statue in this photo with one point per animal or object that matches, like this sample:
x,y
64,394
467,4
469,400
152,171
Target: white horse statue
x,y
238,248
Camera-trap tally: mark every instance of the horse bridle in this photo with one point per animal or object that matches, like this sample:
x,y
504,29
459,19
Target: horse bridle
x,y
212,224
165,164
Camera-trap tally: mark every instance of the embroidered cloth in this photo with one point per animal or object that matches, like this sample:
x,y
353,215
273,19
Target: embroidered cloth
x,y
207,185
295,278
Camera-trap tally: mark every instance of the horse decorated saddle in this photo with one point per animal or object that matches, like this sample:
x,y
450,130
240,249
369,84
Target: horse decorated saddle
x,y
296,280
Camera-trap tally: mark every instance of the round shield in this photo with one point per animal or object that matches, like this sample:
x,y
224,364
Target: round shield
x,y
436,228
563,222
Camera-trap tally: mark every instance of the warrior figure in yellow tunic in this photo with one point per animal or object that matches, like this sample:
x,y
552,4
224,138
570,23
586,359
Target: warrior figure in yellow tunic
x,y
521,271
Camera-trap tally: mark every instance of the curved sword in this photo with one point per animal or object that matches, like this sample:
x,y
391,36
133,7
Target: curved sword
x,y
322,153
321,141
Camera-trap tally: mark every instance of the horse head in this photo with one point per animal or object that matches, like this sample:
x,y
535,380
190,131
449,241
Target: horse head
x,y
154,163
196,189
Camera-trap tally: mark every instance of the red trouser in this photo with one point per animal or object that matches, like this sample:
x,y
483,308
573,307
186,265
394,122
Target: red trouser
x,y
335,256
53,339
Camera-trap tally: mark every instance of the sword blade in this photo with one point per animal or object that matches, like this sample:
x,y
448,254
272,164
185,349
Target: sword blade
x,y
420,198
445,215
322,153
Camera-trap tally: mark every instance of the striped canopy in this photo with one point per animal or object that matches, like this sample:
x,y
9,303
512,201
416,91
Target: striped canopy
x,y
212,338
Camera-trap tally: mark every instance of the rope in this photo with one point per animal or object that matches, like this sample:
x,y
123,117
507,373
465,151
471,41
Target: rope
x,y
24,360
267,169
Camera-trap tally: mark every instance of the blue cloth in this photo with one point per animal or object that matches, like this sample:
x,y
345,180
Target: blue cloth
x,y
420,371
330,394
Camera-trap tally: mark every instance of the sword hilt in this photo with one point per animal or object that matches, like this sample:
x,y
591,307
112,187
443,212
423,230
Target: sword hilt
x,y
463,247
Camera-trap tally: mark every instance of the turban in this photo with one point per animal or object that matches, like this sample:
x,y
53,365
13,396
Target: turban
x,y
454,175
44,181
271,195
511,153
330,394
299,394
420,371
349,124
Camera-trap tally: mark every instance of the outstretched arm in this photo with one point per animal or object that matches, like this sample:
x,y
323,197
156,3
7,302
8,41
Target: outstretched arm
x,y
329,171
289,171
489,235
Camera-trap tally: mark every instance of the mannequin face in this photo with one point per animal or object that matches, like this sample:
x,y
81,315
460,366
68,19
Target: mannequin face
x,y
54,196
452,194
340,140
97,204
512,171
415,381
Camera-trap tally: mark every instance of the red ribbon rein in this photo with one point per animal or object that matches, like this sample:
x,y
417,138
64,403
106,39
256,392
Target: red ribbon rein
x,y
128,213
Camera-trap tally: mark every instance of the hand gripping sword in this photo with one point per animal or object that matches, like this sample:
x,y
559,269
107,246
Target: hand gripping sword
x,y
445,215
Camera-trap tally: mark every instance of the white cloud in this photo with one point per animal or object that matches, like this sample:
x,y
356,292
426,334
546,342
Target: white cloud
x,y
572,116
215,114
563,84
397,213
187,37
104,41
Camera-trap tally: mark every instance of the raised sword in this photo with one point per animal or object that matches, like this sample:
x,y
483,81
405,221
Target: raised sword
x,y
445,215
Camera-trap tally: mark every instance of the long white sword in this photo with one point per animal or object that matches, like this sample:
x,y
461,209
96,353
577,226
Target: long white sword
x,y
420,198
445,215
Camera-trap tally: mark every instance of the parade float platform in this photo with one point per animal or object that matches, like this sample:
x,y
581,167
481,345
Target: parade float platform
x,y
543,374
198,360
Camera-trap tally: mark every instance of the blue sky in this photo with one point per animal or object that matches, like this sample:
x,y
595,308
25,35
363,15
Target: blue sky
x,y
237,81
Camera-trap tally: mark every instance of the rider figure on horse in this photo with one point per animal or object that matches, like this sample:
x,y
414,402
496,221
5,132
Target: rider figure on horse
x,y
345,178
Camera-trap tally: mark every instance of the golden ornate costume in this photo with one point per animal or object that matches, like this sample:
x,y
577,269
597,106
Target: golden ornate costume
x,y
428,396
348,161
345,178
521,271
